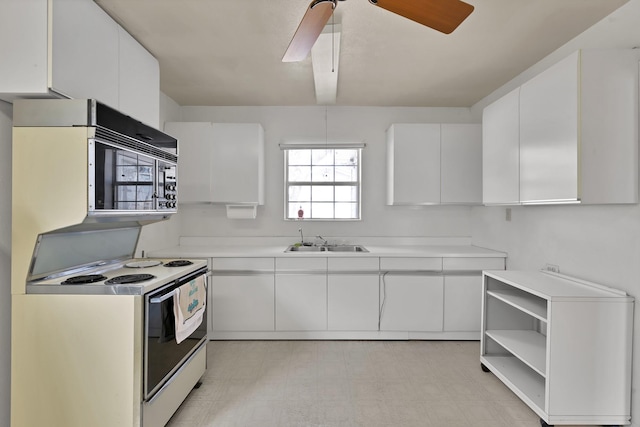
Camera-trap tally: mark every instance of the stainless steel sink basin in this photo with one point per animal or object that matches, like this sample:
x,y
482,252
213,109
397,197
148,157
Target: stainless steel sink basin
x,y
294,248
346,248
327,248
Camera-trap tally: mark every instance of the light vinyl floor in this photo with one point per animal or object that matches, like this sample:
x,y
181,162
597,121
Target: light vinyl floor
x,y
350,384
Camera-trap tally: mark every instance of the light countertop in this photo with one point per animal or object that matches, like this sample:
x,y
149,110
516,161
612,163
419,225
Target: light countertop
x,y
256,251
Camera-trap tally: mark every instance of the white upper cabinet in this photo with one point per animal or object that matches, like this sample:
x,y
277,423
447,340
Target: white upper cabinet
x,y
73,49
501,150
139,89
220,162
194,159
461,163
85,52
577,133
434,163
413,164
237,158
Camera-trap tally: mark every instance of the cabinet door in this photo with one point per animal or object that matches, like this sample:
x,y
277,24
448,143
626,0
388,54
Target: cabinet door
x,y
353,302
243,303
85,52
23,48
237,163
461,163
462,303
139,81
501,150
549,124
413,164
411,303
194,159
301,302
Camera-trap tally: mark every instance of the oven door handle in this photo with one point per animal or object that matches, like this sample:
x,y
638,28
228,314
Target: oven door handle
x,y
168,295
162,298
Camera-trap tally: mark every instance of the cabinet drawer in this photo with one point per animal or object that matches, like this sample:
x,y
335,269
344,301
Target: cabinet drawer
x,y
411,264
243,264
353,264
472,264
302,264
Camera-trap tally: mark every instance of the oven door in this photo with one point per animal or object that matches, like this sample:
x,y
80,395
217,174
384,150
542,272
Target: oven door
x,y
163,356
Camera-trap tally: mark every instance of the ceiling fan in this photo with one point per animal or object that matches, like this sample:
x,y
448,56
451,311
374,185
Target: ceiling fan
x,y
441,15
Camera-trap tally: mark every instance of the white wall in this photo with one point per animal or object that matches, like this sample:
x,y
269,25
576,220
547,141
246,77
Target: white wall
x,y
361,124
597,243
6,114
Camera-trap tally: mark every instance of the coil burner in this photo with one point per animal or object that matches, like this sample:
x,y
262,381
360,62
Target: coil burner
x,y
178,263
87,278
129,278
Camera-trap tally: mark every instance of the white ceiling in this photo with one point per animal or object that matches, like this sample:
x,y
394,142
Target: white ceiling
x,y
228,52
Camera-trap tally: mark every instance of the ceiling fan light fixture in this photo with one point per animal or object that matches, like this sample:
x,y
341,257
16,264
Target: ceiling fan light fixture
x,y
325,59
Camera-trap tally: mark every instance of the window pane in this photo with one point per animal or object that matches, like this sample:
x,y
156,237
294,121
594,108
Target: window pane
x,y
322,210
299,157
322,193
346,194
346,173
346,210
312,175
299,193
127,173
347,157
322,157
299,173
322,174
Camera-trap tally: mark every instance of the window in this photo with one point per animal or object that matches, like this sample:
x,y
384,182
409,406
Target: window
x,y
322,182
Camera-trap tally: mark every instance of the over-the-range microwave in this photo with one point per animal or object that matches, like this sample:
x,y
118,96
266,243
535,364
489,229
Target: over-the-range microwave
x,y
131,167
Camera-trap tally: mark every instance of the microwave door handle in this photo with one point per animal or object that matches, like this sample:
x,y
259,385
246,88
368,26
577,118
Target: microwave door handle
x,y
162,298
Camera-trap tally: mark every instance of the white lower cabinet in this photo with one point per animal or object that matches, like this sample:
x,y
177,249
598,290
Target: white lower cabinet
x,y
353,294
243,303
242,294
411,302
348,297
301,294
462,296
562,345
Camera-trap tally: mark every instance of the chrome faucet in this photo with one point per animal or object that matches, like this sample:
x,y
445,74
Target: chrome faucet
x,y
301,236
324,241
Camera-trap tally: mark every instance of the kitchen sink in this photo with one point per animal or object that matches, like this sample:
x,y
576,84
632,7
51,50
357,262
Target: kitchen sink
x,y
294,248
346,248
327,248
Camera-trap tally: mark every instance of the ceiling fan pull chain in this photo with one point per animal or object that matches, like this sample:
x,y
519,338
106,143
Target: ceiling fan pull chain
x,y
333,42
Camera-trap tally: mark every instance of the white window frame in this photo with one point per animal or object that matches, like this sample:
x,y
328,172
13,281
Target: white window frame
x,y
322,146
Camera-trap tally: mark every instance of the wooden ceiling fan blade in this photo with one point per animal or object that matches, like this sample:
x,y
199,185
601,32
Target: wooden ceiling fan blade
x,y
312,24
441,15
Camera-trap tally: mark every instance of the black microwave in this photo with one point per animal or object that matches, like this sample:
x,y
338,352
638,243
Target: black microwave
x,y
125,180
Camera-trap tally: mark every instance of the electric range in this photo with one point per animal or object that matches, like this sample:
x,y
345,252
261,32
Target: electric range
x,y
123,277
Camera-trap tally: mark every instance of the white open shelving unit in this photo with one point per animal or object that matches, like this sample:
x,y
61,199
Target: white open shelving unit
x,y
561,344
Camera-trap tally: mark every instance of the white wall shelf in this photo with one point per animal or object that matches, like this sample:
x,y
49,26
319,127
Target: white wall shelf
x,y
525,383
528,346
524,301
537,328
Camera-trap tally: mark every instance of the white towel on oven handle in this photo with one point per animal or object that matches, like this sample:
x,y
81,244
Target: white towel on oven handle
x,y
188,321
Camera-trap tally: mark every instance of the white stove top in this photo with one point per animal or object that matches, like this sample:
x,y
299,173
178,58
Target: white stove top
x,y
108,279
